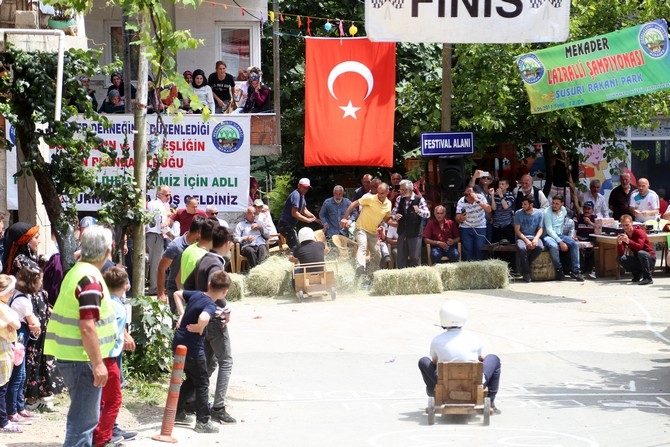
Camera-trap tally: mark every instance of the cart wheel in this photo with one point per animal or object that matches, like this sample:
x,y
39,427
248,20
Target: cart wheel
x,y
487,411
333,293
301,295
431,411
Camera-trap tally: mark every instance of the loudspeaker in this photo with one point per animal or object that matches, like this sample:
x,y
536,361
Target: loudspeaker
x,y
452,173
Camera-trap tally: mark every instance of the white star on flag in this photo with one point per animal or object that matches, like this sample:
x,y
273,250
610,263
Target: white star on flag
x,y
350,110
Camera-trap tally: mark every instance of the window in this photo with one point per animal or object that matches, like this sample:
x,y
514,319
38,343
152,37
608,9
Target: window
x,y
238,46
116,48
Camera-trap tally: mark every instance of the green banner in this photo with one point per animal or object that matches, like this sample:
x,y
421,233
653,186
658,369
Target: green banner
x,y
629,62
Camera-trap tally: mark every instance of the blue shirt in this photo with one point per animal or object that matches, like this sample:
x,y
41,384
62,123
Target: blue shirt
x,y
121,318
553,223
529,223
196,303
331,213
174,251
503,217
294,200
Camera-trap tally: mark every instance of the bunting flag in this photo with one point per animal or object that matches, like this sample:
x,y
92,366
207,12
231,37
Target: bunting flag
x,y
349,102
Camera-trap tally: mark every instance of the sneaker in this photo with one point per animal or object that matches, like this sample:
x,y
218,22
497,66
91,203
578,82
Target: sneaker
x,y
635,279
127,435
592,275
222,416
183,418
11,427
205,427
646,281
560,275
41,406
527,277
576,275
430,391
29,414
18,419
116,440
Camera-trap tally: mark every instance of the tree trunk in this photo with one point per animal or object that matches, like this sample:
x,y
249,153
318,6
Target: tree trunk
x,y
140,154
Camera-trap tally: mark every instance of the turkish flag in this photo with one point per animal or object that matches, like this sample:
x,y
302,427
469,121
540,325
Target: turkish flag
x,y
349,102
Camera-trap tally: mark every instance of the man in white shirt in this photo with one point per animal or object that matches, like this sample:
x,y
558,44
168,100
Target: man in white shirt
x,y
644,202
471,212
600,209
156,230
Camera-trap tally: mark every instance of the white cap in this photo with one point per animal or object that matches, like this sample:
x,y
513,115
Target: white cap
x,y
305,182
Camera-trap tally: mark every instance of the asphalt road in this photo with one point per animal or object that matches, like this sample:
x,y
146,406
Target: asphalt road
x,y
584,365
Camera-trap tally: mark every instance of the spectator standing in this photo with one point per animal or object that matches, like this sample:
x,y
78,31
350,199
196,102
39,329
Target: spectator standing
x,y
643,258
213,213
253,191
185,215
200,309
502,207
366,180
480,182
619,201
203,91
662,201
528,226
409,212
394,187
90,95
9,324
295,209
222,84
259,99
471,212
156,232
82,333
584,228
526,188
120,86
112,103
172,260
332,211
375,210
442,234
600,210
644,203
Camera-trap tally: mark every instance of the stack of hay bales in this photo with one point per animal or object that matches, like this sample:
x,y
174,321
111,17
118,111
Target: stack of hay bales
x,y
236,291
271,278
411,281
490,274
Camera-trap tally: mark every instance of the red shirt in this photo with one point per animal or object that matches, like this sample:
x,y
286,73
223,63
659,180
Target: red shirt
x,y
185,219
638,240
434,232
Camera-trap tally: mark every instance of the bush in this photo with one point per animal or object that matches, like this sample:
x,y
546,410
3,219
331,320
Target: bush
x,y
152,330
283,186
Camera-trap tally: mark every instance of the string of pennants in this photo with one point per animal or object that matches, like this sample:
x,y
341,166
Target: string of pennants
x,y
302,22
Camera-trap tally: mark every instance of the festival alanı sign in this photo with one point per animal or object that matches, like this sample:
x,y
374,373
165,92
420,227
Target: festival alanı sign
x,y
467,21
629,62
208,160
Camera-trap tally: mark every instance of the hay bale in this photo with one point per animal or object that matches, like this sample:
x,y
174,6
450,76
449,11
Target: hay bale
x,y
490,274
410,281
345,279
271,278
236,291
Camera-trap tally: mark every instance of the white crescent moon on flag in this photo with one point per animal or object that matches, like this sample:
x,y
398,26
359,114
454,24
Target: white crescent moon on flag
x,y
350,67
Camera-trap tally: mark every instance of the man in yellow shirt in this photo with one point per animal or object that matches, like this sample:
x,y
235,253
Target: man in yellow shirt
x,y
375,209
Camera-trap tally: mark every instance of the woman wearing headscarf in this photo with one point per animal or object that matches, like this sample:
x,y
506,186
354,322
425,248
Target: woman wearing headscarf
x,y
42,377
203,91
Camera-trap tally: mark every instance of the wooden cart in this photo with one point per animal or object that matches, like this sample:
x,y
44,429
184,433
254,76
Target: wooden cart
x,y
459,390
315,279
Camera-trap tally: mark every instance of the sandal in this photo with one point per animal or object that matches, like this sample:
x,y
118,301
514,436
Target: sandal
x,y
29,414
11,427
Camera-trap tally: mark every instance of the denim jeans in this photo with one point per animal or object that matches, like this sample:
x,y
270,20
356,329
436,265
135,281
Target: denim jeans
x,y
491,374
84,412
472,243
573,248
640,264
15,398
525,258
217,351
451,252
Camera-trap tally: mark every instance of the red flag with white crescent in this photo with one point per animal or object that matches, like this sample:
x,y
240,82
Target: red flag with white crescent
x,y
349,102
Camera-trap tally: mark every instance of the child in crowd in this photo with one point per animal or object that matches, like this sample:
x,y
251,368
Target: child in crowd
x,y
28,282
9,323
192,323
117,282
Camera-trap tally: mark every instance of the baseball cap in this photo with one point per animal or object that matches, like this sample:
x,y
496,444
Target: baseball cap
x,y
258,202
87,222
305,182
588,204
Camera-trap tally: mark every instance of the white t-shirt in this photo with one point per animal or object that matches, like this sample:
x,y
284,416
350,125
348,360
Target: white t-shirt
x,y
456,345
475,217
22,306
646,203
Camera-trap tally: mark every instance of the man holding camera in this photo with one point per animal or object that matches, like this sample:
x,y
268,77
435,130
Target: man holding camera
x,y
643,258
